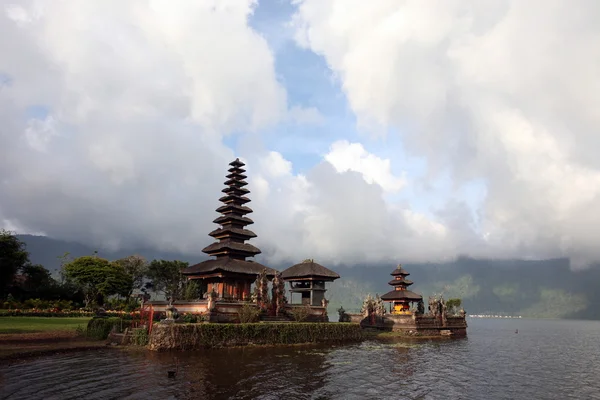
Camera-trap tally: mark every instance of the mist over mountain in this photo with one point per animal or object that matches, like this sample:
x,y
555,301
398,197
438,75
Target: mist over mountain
x,y
547,289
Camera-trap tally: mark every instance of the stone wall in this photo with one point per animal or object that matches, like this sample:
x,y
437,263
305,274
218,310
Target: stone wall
x,y
315,313
224,311
206,335
228,311
355,318
191,307
414,324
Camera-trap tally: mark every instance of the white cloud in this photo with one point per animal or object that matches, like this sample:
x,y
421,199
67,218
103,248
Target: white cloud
x,y
346,156
139,96
305,116
337,216
506,91
275,165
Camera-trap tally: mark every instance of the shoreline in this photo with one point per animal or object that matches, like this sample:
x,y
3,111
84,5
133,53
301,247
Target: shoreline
x,y
20,355
13,352
17,346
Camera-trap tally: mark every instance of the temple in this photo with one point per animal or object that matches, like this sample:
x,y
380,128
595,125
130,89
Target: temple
x,y
401,297
407,314
231,281
230,275
308,280
227,294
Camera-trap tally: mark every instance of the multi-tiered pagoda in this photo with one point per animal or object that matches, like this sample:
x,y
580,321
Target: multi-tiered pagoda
x,y
229,274
401,297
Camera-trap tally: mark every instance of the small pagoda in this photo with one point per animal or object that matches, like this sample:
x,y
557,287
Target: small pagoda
x,y
308,279
401,297
229,275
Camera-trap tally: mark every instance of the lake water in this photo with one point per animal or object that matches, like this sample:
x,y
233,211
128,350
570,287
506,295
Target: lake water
x,y
546,359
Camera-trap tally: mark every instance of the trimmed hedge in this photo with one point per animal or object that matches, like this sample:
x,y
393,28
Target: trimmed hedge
x,y
45,313
196,336
67,314
99,328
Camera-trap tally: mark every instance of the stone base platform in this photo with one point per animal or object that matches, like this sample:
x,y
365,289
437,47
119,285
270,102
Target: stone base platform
x,y
413,324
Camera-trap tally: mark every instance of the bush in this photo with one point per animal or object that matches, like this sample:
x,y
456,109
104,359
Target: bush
x,y
197,336
45,313
79,331
453,305
190,318
36,304
300,313
99,328
63,304
127,305
248,313
140,337
56,312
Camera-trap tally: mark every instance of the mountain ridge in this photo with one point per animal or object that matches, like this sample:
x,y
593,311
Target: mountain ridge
x,y
546,288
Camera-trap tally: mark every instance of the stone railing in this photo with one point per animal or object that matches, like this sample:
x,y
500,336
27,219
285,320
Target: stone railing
x,y
182,306
228,311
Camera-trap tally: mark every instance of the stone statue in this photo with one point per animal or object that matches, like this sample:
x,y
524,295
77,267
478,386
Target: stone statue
x,y
343,316
261,289
443,313
368,306
379,306
324,304
171,313
433,306
278,294
211,296
420,307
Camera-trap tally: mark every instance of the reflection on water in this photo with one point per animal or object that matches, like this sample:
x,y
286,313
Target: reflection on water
x,y
545,360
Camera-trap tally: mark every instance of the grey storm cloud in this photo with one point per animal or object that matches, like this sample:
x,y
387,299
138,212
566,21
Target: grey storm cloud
x,y
113,115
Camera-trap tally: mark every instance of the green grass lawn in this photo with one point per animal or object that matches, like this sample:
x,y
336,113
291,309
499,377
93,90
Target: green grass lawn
x,y
11,325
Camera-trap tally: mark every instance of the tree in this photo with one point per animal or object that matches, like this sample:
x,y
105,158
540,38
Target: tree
x,y
13,257
165,276
192,290
98,278
37,282
65,259
36,277
453,305
136,267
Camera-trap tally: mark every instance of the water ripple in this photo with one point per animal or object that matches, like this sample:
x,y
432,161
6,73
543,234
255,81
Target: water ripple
x,y
547,359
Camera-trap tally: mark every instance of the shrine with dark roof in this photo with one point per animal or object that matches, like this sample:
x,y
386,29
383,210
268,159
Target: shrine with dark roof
x,y
407,313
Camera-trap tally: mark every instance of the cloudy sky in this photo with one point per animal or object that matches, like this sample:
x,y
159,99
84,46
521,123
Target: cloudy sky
x,y
380,130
